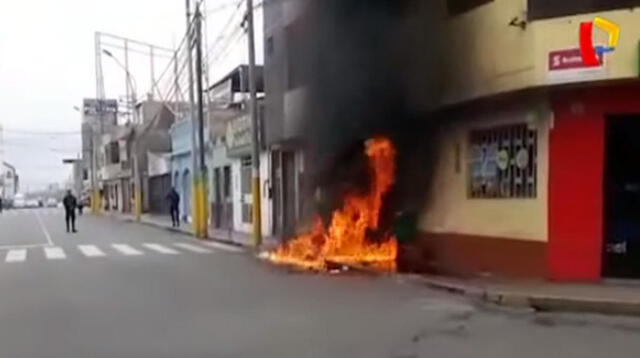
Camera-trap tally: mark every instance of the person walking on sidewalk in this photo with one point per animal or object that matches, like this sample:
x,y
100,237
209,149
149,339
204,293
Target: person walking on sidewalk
x,y
174,202
80,206
70,204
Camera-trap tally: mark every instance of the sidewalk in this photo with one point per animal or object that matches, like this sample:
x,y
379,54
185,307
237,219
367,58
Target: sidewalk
x,y
612,298
225,236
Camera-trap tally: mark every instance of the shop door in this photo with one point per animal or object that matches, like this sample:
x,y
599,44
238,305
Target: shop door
x,y
290,192
283,193
621,251
217,199
246,197
223,206
276,191
227,217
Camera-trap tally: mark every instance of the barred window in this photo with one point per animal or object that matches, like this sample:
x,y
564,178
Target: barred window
x,y
503,162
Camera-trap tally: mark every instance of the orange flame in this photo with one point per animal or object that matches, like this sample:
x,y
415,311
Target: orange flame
x,y
345,241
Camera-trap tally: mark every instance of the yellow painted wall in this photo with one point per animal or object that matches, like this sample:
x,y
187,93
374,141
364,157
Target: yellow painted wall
x,y
485,56
450,210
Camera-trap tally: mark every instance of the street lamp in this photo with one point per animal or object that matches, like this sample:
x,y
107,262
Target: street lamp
x,y
130,79
136,170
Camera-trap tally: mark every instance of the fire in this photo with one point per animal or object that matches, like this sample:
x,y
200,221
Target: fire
x,y
347,239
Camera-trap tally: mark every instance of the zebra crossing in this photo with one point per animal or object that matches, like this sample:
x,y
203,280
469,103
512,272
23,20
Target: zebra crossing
x,y
8,213
91,251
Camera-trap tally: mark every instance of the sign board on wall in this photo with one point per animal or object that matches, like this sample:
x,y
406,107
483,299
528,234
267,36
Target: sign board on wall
x,y
222,93
94,106
239,135
565,66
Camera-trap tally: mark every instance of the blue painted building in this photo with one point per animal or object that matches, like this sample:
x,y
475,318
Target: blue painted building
x,y
182,164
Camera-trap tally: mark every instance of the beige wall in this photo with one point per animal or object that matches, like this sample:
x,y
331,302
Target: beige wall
x,y
485,56
450,210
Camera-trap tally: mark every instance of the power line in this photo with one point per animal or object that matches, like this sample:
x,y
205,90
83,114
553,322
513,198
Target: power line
x,y
224,28
221,7
232,39
43,133
43,147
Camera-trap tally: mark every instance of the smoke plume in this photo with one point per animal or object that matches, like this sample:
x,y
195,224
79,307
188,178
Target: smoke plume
x,y
372,68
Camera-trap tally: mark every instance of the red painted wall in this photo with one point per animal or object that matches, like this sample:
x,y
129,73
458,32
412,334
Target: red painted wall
x,y
576,172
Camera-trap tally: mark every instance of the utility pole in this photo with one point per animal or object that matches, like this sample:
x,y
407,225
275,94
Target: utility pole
x,y
255,128
202,183
96,203
192,113
137,186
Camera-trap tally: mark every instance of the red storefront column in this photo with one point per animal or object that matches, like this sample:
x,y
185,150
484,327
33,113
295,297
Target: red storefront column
x,y
576,174
576,162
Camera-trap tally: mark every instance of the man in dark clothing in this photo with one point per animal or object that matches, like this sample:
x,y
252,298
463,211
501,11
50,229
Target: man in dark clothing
x,y
174,202
70,204
0,205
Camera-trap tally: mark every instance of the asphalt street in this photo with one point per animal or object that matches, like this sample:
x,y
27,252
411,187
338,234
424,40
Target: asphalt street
x,y
120,289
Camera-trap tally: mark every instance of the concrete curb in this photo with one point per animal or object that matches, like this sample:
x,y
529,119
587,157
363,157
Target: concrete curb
x,y
538,302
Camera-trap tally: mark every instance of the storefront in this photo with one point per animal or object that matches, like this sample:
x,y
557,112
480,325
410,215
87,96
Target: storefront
x,y
486,210
594,228
547,186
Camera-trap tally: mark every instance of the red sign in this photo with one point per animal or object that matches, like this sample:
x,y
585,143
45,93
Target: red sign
x,y
567,60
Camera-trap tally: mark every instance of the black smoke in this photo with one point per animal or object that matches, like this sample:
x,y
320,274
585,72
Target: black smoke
x,y
372,67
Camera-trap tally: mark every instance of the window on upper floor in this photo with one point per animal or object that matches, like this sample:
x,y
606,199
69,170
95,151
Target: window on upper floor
x,y
456,7
113,153
295,55
541,9
269,46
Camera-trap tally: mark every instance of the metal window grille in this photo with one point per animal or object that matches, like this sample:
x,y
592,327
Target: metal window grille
x,y
503,162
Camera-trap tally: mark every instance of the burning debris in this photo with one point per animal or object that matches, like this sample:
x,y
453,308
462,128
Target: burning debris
x,y
353,236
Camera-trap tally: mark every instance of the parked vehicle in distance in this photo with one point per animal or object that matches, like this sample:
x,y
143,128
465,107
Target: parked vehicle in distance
x,y
52,203
19,202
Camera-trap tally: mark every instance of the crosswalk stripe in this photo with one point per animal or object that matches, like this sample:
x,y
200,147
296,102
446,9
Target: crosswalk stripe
x,y
192,248
127,250
54,253
221,246
18,255
160,248
91,251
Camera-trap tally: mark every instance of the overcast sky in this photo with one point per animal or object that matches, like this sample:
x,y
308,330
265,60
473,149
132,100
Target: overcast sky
x,y
47,67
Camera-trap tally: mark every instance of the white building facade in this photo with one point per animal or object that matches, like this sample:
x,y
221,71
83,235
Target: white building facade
x,y
8,181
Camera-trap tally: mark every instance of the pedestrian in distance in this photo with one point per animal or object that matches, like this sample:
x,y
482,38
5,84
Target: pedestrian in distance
x,y
70,204
80,207
174,201
0,205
